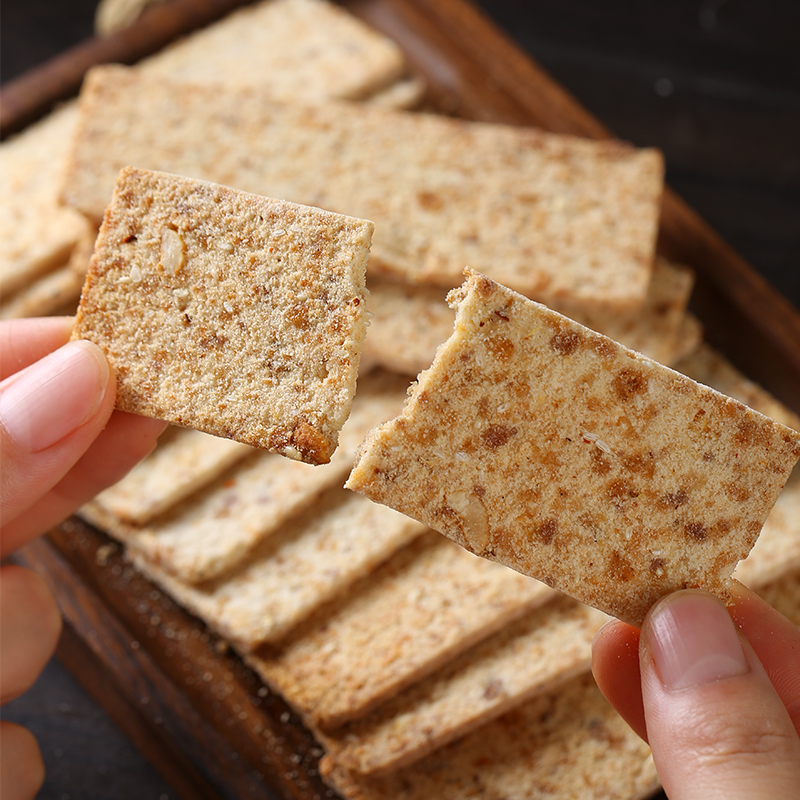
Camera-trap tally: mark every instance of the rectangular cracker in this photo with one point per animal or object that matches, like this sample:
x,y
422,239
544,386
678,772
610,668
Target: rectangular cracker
x,y
210,532
778,547
48,294
569,744
555,217
37,234
232,313
430,602
536,442
654,329
409,322
184,461
706,365
313,558
784,595
533,655
298,49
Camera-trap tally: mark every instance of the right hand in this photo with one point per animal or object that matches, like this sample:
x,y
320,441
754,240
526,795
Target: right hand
x,y
715,691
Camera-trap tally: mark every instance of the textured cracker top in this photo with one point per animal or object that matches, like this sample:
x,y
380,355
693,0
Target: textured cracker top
x,y
232,313
562,219
538,443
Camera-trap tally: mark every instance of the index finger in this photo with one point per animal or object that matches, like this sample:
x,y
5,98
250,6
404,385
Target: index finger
x,y
25,341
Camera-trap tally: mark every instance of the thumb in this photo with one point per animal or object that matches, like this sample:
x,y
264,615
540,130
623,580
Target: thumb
x,y
715,723
50,413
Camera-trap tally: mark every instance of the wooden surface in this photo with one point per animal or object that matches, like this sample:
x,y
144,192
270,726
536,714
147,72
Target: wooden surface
x,y
195,712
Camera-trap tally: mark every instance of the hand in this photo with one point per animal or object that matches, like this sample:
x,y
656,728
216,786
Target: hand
x,y
718,702
61,442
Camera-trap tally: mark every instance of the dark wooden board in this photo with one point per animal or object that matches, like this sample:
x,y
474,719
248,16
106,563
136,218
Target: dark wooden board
x,y
197,713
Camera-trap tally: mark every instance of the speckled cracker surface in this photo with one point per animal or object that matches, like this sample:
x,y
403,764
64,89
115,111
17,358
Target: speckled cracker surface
x,y
531,656
426,605
212,531
409,322
569,744
235,314
37,234
538,443
184,461
555,217
315,556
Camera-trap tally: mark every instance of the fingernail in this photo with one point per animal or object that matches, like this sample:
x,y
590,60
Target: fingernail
x,y
51,398
693,641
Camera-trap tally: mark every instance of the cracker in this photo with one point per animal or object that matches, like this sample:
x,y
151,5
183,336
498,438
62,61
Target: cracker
x,y
707,365
550,448
314,557
405,93
654,329
430,602
49,294
298,49
36,233
544,649
210,532
778,547
689,338
184,461
409,322
556,217
231,313
82,252
568,744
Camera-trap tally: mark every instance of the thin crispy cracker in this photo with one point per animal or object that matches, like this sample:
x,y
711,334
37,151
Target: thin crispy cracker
x,y
550,448
706,365
654,329
36,233
299,49
409,322
568,744
211,531
544,649
427,604
556,217
778,547
784,595
184,461
313,558
689,338
405,93
231,313
49,294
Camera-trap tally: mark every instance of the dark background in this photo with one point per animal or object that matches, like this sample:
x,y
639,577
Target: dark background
x,y
714,83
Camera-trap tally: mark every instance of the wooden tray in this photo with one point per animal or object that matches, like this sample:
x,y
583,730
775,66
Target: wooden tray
x,y
196,712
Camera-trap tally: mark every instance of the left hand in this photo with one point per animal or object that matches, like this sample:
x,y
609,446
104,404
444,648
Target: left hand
x,y
61,442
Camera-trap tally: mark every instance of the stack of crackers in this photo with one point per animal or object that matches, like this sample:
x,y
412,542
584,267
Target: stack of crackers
x,y
424,670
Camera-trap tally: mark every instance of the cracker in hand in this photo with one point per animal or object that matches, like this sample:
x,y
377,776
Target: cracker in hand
x,y
540,444
232,313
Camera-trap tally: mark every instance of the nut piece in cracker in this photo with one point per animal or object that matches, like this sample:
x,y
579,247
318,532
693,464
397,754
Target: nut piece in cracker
x,y
538,443
227,312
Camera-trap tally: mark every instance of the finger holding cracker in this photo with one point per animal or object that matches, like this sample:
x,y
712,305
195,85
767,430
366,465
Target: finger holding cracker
x,y
538,443
227,312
